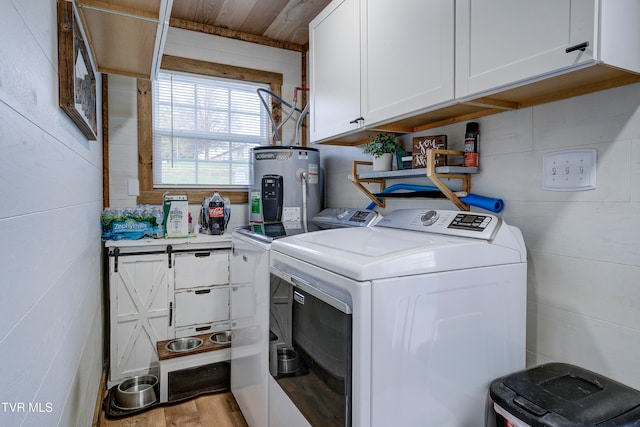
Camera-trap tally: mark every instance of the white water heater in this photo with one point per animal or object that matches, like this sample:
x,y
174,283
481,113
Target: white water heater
x,y
286,185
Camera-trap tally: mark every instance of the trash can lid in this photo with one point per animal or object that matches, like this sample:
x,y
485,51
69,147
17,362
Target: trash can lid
x,y
564,395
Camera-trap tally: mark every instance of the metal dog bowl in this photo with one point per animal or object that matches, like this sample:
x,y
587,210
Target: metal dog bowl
x,y
180,345
136,392
221,337
288,361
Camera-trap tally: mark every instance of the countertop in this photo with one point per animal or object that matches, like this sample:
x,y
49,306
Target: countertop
x,y
195,241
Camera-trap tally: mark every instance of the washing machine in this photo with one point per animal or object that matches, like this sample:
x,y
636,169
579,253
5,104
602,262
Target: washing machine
x,y
249,303
403,323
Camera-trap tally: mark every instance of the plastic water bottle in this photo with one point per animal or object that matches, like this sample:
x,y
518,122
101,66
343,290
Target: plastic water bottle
x,y
216,214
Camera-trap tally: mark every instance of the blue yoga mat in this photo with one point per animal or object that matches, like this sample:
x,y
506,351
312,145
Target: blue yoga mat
x,y
487,203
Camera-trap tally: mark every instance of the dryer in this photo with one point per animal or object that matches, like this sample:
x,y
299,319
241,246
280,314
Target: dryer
x,y
249,304
404,323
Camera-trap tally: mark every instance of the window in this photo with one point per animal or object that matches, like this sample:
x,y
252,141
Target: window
x,y
152,194
204,128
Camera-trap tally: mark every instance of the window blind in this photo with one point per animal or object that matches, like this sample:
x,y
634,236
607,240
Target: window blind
x,y
203,130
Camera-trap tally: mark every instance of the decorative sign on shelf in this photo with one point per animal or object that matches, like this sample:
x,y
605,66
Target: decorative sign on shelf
x,y
76,77
420,146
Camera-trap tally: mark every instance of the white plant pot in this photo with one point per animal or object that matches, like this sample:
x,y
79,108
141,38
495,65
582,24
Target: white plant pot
x,y
382,163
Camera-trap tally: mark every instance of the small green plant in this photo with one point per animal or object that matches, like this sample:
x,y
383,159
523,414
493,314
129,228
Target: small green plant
x,y
381,144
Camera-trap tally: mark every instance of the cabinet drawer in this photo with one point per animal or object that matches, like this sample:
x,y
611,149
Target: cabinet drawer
x,y
202,305
202,268
212,328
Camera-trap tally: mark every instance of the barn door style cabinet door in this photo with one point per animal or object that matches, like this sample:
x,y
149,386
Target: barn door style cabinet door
x,y
141,295
502,42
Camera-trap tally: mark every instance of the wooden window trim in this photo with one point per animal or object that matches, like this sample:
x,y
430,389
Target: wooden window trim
x,y
150,195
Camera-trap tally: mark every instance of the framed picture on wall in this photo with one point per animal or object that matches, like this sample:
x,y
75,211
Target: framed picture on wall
x,y
77,79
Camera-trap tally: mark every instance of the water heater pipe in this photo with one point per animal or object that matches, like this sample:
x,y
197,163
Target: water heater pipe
x,y
303,179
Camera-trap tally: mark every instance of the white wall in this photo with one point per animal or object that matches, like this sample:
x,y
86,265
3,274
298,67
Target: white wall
x,y
584,255
123,141
50,251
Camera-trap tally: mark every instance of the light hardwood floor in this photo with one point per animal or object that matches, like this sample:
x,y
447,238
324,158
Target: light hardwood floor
x,y
212,410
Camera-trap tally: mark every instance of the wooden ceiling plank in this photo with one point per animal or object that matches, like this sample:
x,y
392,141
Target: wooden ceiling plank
x,y
201,11
262,15
234,13
293,22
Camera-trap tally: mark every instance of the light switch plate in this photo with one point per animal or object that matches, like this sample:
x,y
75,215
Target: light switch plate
x,y
133,187
569,170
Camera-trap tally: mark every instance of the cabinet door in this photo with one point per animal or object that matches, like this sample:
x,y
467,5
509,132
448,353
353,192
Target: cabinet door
x,y
502,42
407,56
201,268
334,70
139,312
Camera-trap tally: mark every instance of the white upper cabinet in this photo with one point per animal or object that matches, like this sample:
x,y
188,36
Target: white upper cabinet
x,y
411,65
334,70
371,60
407,56
501,43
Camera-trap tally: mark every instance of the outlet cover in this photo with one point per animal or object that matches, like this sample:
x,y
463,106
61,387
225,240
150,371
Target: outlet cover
x,y
569,170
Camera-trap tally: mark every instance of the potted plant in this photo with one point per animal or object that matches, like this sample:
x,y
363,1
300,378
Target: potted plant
x,y
381,148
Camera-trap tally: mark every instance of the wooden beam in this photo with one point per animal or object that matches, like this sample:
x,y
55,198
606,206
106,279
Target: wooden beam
x,y
457,119
234,34
145,136
188,65
498,104
105,141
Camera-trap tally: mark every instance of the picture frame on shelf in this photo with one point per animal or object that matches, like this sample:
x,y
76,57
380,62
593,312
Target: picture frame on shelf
x,y
420,146
77,79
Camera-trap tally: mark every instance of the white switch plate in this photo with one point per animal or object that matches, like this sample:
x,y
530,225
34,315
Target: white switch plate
x,y
569,170
133,187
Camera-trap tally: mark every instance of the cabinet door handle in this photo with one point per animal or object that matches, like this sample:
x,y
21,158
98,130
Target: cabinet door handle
x,y
354,121
580,46
203,291
170,313
203,328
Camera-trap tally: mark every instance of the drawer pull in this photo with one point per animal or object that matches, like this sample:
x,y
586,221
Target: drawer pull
x,y
202,254
203,328
580,46
203,291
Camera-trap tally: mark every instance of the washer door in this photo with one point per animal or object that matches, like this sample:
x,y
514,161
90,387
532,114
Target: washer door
x,y
311,349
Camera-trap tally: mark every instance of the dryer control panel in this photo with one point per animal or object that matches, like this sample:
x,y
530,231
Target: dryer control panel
x,y
346,217
453,223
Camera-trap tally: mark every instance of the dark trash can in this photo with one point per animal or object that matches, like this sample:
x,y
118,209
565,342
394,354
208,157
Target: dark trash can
x,y
563,395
